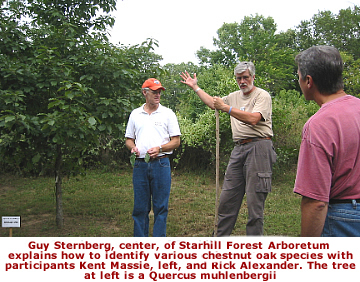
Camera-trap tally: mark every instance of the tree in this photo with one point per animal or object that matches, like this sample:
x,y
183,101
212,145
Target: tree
x,y
340,30
348,35
63,85
247,40
254,39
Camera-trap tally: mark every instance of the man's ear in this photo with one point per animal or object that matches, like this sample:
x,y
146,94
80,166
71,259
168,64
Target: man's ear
x,y
309,81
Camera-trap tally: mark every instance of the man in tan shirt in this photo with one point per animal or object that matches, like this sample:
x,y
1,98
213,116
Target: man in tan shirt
x,y
250,166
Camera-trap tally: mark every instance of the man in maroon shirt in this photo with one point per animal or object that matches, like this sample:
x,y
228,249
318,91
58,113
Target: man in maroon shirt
x,y
328,175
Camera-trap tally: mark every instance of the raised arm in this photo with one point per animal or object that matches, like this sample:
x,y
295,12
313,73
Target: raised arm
x,y
192,83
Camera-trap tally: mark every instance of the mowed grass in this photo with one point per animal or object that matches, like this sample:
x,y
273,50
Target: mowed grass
x,y
100,204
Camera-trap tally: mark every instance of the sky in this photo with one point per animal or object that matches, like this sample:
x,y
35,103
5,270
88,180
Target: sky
x,y
182,27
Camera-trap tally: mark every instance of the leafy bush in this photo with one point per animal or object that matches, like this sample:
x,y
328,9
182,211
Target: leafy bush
x,y
198,141
290,112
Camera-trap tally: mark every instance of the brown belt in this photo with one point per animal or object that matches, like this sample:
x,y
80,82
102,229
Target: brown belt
x,y
244,141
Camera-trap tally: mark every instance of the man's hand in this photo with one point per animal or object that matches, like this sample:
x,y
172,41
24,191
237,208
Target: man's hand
x,y
219,104
153,152
136,151
188,80
192,82
130,144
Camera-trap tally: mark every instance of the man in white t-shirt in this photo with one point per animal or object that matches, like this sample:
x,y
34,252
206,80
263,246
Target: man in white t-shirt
x,y
152,134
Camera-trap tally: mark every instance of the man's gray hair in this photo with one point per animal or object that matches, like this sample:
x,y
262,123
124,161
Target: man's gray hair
x,y
244,66
324,64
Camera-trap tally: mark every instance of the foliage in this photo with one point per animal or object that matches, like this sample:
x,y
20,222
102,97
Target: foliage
x,y
175,92
290,112
197,121
325,28
62,82
198,148
351,74
245,41
254,39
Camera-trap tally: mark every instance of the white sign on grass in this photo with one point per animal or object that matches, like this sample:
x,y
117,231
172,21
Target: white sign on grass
x,y
11,221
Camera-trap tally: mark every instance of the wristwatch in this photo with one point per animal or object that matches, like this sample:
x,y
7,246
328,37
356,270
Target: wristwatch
x,y
160,149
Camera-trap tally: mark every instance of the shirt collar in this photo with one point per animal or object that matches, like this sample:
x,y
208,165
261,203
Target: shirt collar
x,y
157,110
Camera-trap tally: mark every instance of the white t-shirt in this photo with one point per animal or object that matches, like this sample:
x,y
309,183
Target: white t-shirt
x,y
152,130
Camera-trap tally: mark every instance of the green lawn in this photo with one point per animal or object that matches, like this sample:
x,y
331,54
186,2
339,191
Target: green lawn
x,y
100,204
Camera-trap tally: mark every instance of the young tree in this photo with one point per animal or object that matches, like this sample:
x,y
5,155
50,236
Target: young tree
x,y
63,86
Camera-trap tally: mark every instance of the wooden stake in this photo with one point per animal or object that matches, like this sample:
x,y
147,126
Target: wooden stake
x,y
10,232
217,170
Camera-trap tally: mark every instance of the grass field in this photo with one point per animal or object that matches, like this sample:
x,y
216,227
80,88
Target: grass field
x,y
100,204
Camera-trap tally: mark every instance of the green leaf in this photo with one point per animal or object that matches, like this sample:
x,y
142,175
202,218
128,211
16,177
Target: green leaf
x,y
102,127
147,157
92,120
9,118
36,159
55,103
133,158
70,95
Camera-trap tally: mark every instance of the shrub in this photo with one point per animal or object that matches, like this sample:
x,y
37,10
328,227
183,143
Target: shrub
x,y
198,141
290,112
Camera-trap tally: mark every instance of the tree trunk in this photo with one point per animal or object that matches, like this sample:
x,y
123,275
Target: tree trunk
x,y
58,188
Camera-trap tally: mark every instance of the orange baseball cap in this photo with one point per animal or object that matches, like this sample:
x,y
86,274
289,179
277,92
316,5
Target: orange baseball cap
x,y
153,84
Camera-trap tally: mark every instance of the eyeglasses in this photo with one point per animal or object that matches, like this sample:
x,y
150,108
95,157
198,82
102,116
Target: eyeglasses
x,y
245,77
155,92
